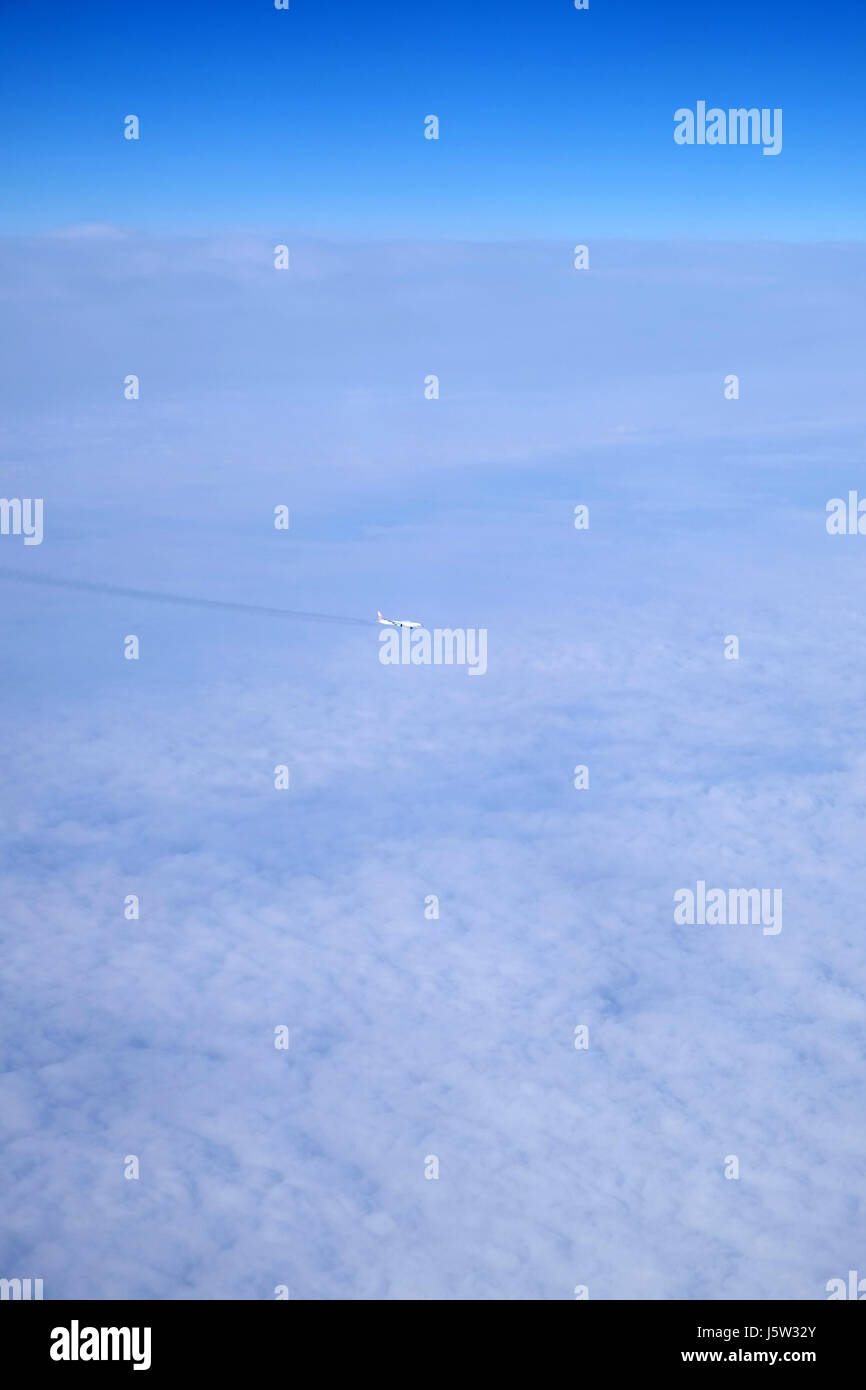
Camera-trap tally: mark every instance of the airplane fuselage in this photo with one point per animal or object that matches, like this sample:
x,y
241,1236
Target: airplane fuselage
x,y
396,622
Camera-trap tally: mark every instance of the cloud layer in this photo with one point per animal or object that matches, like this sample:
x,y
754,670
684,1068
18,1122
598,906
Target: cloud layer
x,y
454,1036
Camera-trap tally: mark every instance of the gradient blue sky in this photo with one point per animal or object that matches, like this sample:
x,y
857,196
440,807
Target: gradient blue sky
x,y
553,121
409,1037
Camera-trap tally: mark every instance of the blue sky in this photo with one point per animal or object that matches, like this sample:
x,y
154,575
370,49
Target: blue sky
x,y
553,121
259,908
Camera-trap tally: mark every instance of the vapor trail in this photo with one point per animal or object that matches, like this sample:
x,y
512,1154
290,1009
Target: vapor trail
x,y
121,591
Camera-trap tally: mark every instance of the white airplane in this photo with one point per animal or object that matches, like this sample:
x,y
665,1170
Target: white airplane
x,y
396,622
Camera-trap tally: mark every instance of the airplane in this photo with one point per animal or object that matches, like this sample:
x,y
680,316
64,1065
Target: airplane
x,y
396,622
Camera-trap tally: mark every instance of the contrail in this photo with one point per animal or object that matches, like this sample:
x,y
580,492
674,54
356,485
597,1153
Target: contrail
x,y
152,595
